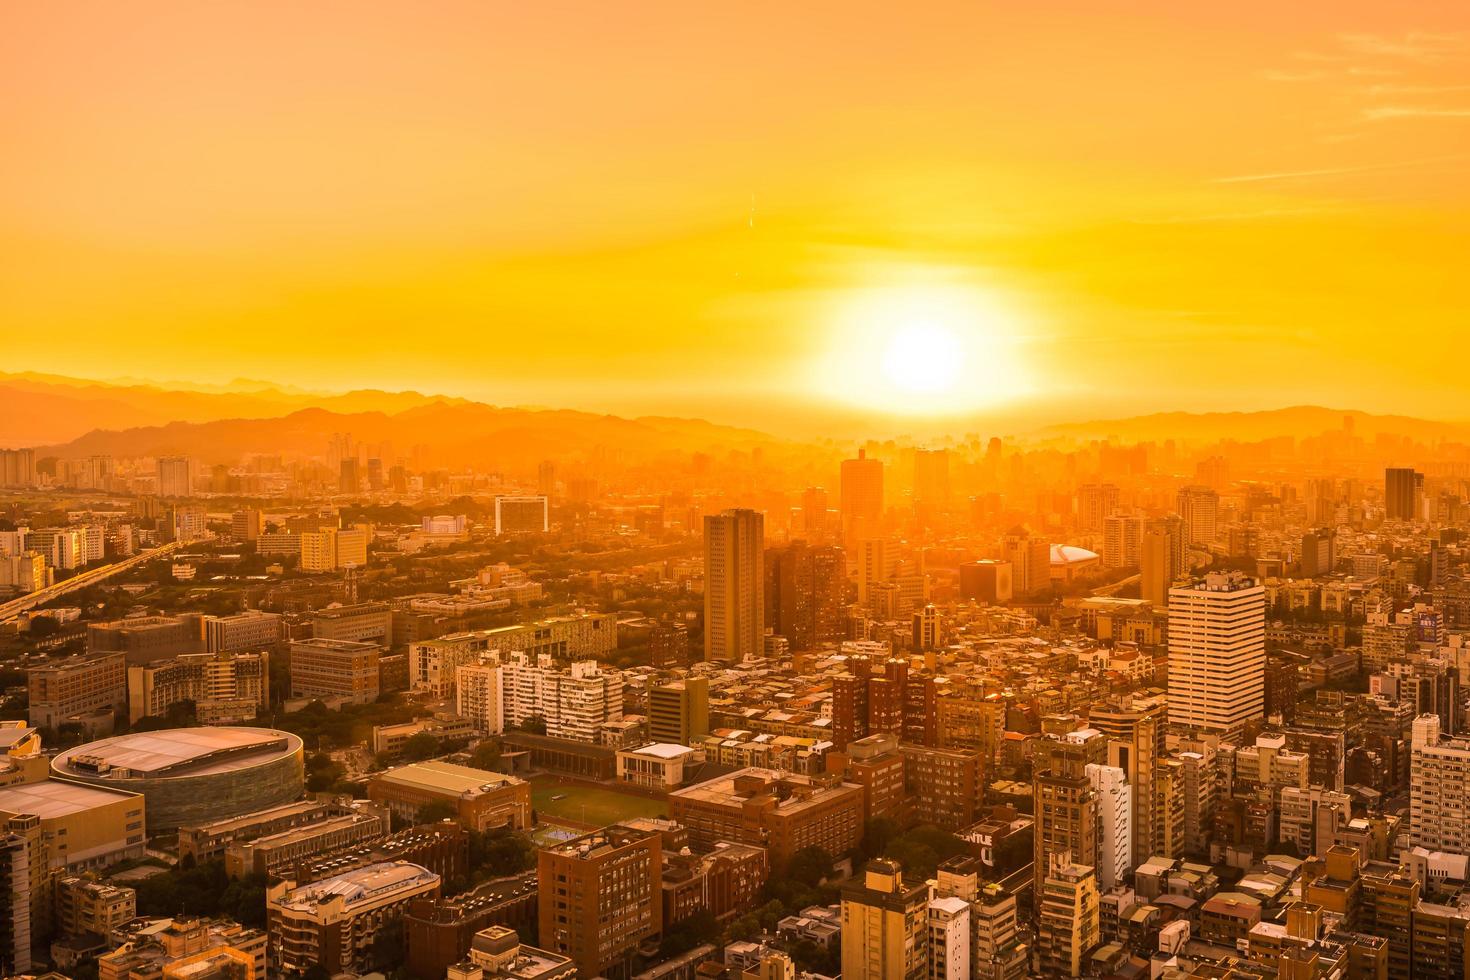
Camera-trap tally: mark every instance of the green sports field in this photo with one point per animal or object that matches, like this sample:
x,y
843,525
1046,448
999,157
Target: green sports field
x,y
591,806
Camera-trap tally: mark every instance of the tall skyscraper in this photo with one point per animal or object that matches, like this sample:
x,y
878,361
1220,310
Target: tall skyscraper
x,y
1401,487
805,594
546,479
734,585
814,513
931,483
1217,653
175,476
862,498
872,567
1068,920
1030,560
1199,508
1095,503
1319,552
1066,802
1134,727
1122,540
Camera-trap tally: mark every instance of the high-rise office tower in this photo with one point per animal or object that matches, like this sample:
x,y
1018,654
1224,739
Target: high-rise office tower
x,y
1319,552
1401,489
805,594
872,567
1095,503
247,524
349,475
814,513
862,498
17,467
1217,653
1122,540
546,479
926,628
175,476
1199,508
1154,567
1030,560
931,483
885,925
734,586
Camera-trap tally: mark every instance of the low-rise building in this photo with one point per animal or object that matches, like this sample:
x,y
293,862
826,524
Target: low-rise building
x,y
480,799
332,923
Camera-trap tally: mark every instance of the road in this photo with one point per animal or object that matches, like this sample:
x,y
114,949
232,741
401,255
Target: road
x,y
92,576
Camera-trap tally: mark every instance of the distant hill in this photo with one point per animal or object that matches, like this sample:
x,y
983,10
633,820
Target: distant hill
x,y
44,409
1297,421
463,432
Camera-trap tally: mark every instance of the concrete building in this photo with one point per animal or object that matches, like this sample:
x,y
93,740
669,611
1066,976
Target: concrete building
x,y
861,498
225,687
1439,788
574,702
678,712
949,939
250,630
335,669
332,923
657,766
783,812
522,515
987,580
885,925
1068,921
62,826
481,800
83,690
584,636
479,697
599,898
1217,653
1115,824
734,586
361,622
331,549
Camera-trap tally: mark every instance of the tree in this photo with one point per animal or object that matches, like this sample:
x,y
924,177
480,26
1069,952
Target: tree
x,y
437,810
44,626
486,755
534,725
419,746
809,866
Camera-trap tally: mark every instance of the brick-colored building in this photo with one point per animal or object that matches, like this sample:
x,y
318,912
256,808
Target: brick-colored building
x,y
782,812
599,897
480,799
327,669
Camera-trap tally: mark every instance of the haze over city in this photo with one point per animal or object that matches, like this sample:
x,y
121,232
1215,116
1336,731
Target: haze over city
x,y
657,491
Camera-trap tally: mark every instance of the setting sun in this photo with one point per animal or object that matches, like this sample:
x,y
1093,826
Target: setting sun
x,y
923,349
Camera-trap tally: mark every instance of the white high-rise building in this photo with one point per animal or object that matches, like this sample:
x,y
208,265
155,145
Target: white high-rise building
x,y
175,476
949,939
1199,508
1122,540
734,586
479,697
574,702
1217,652
1439,789
1114,823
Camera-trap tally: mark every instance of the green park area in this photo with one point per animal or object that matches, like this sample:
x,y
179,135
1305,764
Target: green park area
x,y
591,806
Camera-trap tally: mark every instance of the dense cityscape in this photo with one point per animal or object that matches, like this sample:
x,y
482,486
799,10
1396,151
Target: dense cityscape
x,y
650,490
991,709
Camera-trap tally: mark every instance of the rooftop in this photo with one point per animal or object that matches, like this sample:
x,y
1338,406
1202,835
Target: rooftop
x,y
58,798
358,886
176,752
445,777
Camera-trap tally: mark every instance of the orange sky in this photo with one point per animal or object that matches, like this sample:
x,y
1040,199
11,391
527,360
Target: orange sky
x,y
681,208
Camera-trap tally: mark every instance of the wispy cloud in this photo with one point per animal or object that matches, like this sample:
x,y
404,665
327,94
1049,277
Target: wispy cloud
x,y
1365,168
1276,75
1420,46
1384,113
1262,214
1416,89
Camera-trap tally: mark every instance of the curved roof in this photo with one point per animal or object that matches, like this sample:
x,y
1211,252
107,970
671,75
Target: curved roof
x,y
1066,554
175,752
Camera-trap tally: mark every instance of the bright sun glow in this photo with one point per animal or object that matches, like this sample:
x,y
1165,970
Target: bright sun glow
x,y
928,349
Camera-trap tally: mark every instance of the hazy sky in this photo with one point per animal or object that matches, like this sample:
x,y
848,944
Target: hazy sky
x,y
741,210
